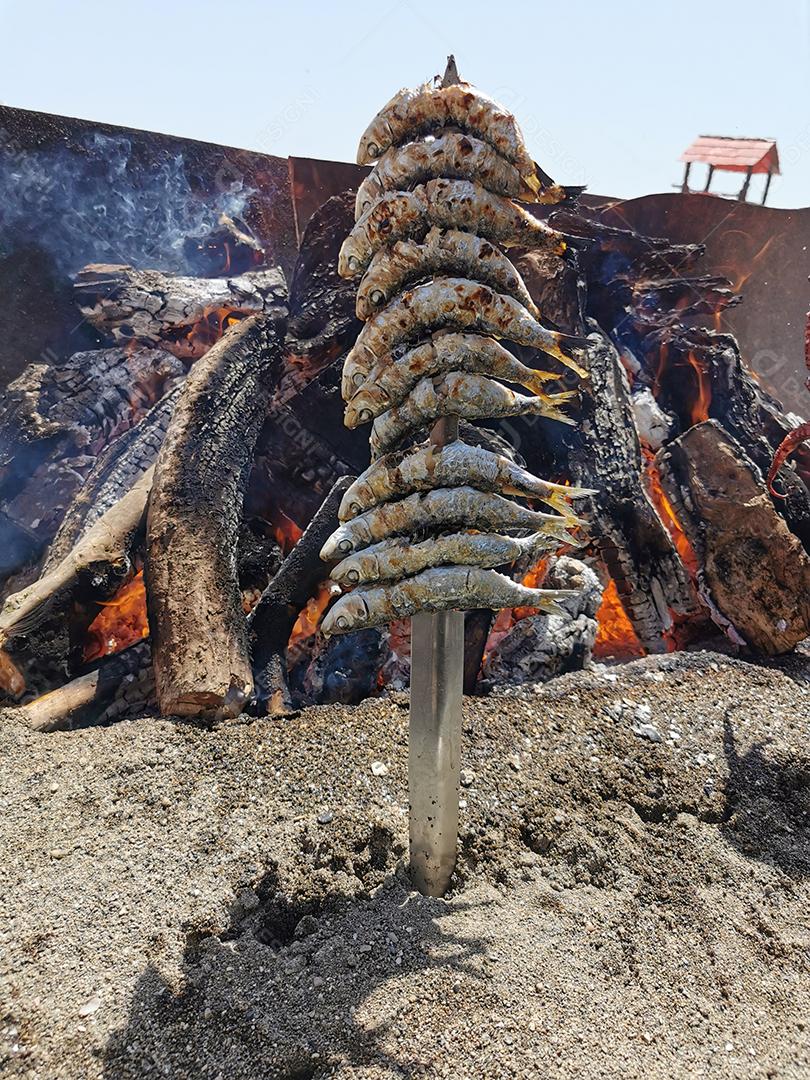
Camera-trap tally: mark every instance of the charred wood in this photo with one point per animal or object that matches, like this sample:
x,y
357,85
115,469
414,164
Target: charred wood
x,y
754,574
199,634
275,614
101,560
183,315
120,684
633,541
117,469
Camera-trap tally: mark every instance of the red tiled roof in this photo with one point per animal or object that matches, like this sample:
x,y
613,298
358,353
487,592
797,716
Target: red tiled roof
x,y
734,155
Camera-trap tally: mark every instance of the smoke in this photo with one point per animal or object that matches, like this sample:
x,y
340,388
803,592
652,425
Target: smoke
x,y
98,203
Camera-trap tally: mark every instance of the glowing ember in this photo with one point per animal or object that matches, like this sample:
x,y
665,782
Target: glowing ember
x,y
308,621
615,636
12,680
121,622
666,511
286,532
192,342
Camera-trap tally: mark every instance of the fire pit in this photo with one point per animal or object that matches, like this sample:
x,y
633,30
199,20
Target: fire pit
x,y
209,340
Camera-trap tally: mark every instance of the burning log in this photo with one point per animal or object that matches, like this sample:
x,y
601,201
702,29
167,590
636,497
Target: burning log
x,y
102,557
118,468
632,539
184,315
199,635
754,574
121,682
276,613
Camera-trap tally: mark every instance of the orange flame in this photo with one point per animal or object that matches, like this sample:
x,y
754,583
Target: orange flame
x,y
120,623
700,406
191,341
615,636
666,511
308,621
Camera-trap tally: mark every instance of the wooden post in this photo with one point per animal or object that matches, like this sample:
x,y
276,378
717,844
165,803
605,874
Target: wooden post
x,y
709,176
744,189
686,171
767,186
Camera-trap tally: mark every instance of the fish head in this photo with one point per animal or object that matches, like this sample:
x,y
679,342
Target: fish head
x,y
370,298
343,541
347,613
373,141
354,569
351,259
368,402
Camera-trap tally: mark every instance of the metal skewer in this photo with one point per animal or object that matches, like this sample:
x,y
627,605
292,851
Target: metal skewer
x,y
434,744
437,671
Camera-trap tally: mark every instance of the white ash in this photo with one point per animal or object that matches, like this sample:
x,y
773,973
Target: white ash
x,y
653,424
542,646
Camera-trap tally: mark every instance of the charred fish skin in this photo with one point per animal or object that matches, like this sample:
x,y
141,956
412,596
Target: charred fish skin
x,y
390,381
438,589
390,560
456,304
450,204
472,397
444,508
443,251
426,109
427,467
452,156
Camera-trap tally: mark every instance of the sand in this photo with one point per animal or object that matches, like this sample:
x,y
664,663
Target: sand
x,y
632,897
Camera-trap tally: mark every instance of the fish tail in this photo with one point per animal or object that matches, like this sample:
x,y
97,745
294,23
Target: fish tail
x,y
554,348
537,379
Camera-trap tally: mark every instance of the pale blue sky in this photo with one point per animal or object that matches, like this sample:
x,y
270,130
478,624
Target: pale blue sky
x,y
608,93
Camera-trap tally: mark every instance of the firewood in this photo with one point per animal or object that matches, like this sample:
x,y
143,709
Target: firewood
x,y
184,315
755,574
632,539
199,635
274,616
124,678
101,557
117,469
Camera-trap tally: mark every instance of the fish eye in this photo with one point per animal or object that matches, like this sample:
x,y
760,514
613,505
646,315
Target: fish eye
x,y
373,149
364,415
354,262
377,296
358,378
342,622
345,545
353,575
355,508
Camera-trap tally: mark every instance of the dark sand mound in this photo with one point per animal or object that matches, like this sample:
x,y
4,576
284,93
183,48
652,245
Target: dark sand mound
x,y
632,898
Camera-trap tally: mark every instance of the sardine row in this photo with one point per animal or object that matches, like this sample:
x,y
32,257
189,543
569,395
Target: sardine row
x,y
427,466
471,397
442,251
438,589
443,509
452,156
399,557
391,380
427,108
455,304
450,204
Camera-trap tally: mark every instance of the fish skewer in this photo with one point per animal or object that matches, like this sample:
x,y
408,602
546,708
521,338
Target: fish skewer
x,y
399,557
455,304
450,204
444,508
391,380
473,397
426,467
437,589
429,108
449,251
453,156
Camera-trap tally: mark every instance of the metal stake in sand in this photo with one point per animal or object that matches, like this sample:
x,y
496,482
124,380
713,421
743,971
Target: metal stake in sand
x,y
434,745
437,666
